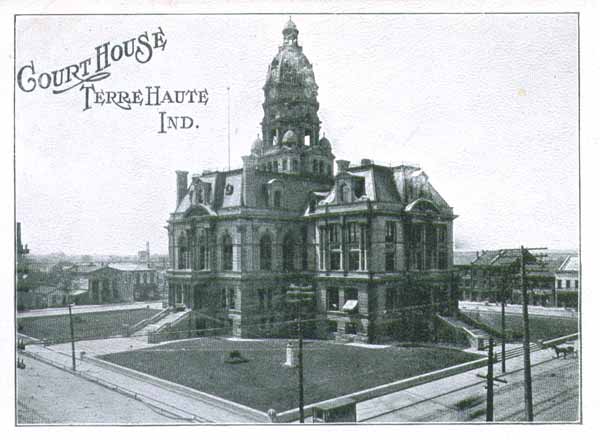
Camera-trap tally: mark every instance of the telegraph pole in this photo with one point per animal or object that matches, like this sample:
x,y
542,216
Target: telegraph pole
x,y
300,366
298,295
489,413
503,334
72,336
526,353
228,133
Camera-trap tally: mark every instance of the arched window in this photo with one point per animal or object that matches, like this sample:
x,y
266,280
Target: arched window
x,y
344,193
277,199
227,252
288,253
265,252
182,253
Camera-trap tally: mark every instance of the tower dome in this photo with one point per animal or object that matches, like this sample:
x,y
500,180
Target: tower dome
x,y
324,143
290,92
257,145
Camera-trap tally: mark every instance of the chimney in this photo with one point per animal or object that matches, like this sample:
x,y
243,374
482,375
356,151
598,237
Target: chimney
x,y
182,185
365,162
342,165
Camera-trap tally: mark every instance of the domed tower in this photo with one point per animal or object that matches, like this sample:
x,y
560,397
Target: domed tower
x,y
291,125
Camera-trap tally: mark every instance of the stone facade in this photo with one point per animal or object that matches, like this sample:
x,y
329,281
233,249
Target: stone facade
x,y
374,243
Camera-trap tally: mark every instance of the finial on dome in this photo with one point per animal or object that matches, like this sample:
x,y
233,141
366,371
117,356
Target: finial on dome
x,y
290,33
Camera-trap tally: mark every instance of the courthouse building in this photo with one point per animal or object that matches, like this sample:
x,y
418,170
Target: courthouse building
x,y
373,242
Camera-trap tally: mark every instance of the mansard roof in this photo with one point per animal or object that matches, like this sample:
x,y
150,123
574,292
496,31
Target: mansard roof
x,y
407,186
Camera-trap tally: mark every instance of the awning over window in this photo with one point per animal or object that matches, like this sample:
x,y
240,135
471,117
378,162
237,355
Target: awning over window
x,y
350,306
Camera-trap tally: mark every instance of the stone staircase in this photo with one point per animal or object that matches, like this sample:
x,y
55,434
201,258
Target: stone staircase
x,y
167,320
477,337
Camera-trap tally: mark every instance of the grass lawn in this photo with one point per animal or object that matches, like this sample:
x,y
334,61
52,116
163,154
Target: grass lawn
x,y
540,327
85,325
263,382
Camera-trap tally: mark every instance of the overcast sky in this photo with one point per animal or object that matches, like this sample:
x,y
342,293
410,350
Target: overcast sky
x,y
486,104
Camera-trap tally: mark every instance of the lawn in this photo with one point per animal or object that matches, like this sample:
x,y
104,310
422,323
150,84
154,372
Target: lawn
x,y
263,382
540,327
85,325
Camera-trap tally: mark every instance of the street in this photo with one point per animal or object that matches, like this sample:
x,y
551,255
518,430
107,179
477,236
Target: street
x,y
555,398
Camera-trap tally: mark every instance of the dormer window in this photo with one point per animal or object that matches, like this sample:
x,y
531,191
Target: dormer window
x,y
344,193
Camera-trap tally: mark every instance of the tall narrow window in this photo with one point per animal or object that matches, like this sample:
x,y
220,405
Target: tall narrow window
x,y
288,253
284,165
335,247
277,199
265,252
354,246
315,166
231,298
182,255
333,299
390,246
227,252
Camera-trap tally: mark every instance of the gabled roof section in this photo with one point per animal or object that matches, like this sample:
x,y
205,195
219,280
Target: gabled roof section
x,y
571,264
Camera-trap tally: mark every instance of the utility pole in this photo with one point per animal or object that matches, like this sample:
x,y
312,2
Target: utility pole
x,y
228,133
489,413
72,336
526,353
298,295
300,366
503,335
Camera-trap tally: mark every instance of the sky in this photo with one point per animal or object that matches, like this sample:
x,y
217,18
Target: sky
x,y
487,105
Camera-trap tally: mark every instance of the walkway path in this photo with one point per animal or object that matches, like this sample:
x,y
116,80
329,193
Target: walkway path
x,y
90,308
558,312
173,402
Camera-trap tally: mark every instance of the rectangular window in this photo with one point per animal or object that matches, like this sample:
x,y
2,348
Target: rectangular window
x,y
576,284
335,247
390,261
354,260
231,298
390,232
442,260
261,300
567,284
284,165
335,260
224,299
390,299
559,284
333,299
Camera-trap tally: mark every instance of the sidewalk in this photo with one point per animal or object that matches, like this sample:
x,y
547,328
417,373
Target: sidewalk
x,y
440,401
92,308
517,309
170,401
